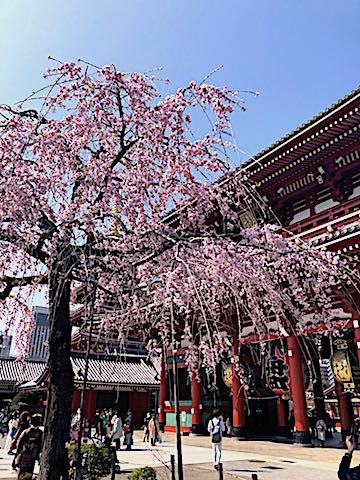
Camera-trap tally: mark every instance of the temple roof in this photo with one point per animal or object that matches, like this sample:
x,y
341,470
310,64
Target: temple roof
x,y
132,371
351,230
112,372
13,372
312,121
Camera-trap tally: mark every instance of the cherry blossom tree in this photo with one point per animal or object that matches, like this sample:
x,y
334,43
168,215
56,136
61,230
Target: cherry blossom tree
x,y
109,186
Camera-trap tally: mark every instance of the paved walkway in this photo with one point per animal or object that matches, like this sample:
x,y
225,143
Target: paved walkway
x,y
240,459
270,461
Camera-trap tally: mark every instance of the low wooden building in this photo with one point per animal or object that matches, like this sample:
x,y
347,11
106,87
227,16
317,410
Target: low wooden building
x,y
130,381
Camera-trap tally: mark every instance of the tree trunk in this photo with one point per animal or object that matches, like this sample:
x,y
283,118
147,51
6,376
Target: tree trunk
x,y
54,459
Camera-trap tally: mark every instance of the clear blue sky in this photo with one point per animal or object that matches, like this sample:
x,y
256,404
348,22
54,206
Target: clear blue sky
x,y
301,55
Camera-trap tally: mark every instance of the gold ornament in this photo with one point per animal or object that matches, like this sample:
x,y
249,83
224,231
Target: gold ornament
x,y
228,376
341,366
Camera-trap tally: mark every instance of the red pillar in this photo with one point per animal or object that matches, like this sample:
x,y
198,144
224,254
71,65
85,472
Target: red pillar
x,y
297,387
162,394
76,400
196,394
282,417
345,409
139,403
90,405
238,399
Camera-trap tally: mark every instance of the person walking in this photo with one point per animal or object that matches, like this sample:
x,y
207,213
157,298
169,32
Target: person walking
x,y
24,424
29,448
3,422
97,424
103,424
153,430
321,431
13,426
146,427
86,433
109,418
329,425
216,428
292,421
228,427
117,432
76,418
312,423
128,430
74,433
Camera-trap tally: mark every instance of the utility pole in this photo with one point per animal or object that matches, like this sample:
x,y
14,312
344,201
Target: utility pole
x,y
176,399
89,313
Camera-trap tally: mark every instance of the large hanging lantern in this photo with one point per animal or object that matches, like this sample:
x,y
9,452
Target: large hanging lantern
x,y
228,375
277,373
341,366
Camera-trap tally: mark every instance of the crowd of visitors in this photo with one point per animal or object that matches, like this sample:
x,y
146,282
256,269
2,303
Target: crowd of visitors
x,y
24,435
151,429
108,423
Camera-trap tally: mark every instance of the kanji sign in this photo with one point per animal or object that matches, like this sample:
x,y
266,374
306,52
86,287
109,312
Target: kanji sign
x,y
277,373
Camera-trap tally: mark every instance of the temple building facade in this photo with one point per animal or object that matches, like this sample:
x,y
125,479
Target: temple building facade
x,y
310,179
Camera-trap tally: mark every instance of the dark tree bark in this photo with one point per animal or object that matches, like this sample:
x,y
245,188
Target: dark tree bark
x,y
54,459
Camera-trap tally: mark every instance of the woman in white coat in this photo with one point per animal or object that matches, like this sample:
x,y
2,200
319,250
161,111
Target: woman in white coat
x,y
117,432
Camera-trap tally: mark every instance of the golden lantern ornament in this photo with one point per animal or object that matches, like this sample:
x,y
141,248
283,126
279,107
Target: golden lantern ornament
x,y
228,376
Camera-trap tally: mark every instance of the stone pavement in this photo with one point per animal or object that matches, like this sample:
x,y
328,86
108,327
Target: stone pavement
x,y
240,459
268,460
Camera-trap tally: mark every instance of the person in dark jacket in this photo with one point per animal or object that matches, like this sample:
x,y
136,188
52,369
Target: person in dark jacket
x,y
24,424
345,472
97,424
29,448
128,430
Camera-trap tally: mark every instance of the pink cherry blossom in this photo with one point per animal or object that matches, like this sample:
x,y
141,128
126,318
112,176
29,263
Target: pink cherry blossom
x,y
108,191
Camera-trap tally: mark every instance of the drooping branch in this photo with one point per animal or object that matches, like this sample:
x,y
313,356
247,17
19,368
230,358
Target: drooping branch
x,y
33,250
17,282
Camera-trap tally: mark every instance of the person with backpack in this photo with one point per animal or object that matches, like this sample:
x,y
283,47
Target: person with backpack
x,y
216,428
24,424
29,447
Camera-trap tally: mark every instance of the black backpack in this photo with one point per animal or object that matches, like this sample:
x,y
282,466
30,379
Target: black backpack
x,y
215,436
